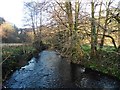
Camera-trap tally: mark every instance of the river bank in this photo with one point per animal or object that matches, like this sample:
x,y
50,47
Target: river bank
x,y
49,70
90,65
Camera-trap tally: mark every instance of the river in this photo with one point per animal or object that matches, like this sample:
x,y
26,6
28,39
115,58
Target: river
x,y
49,70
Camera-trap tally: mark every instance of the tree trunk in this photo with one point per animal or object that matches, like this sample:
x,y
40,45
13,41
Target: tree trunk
x,y
76,14
68,6
40,28
33,25
98,27
104,32
118,34
93,33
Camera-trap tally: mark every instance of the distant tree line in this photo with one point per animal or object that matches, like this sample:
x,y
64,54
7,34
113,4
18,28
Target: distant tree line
x,y
11,34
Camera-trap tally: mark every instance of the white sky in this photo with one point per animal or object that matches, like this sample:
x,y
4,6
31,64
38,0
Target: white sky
x,y
12,11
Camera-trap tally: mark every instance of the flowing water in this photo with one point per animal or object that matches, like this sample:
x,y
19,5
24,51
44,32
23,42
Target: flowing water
x,y
49,70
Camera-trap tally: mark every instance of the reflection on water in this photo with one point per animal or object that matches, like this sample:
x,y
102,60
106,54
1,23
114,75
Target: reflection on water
x,y
92,79
50,71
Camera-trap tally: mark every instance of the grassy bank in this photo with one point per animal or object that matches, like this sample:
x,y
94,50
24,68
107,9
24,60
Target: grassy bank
x,y
106,61
13,57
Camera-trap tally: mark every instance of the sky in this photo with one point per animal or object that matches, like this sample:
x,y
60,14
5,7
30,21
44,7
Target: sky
x,y
12,11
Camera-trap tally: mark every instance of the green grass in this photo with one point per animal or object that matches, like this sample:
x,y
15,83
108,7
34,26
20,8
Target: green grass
x,y
107,60
13,57
108,48
86,48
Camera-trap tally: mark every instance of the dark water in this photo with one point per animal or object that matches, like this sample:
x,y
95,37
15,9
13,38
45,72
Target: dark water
x,y
49,70
88,78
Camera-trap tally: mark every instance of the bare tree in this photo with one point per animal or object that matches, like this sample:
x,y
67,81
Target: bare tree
x,y
34,10
34,15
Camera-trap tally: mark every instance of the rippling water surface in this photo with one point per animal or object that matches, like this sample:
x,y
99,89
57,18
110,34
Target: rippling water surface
x,y
50,71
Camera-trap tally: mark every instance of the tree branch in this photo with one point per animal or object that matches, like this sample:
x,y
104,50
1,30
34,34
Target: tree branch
x,y
61,20
61,6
